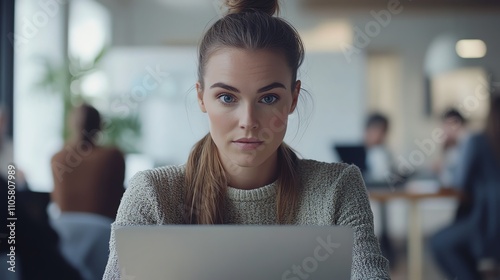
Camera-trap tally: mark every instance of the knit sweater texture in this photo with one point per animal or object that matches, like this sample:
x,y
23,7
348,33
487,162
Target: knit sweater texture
x,y
331,194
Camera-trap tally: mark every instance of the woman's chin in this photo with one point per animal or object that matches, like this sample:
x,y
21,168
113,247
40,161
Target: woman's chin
x,y
247,161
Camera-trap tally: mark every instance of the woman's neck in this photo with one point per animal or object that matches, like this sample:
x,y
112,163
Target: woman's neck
x,y
247,178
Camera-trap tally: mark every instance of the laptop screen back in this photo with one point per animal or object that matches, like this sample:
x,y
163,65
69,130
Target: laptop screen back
x,y
194,252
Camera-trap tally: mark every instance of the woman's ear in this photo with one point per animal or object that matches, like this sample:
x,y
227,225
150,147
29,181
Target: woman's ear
x,y
199,94
295,96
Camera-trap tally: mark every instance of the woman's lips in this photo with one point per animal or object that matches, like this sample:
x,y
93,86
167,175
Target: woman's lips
x,y
248,144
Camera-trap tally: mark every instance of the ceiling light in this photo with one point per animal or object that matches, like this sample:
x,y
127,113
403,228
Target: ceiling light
x,y
471,48
328,36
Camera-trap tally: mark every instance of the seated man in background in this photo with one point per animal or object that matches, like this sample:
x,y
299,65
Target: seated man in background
x,y
455,131
379,166
379,162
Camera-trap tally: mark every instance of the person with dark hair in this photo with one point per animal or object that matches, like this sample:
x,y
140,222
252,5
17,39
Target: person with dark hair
x,y
455,133
242,172
379,162
378,120
88,187
454,115
87,178
474,234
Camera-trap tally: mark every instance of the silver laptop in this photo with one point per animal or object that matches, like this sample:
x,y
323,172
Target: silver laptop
x,y
227,252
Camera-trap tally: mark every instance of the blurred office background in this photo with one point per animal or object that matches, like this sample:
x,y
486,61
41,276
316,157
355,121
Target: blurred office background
x,y
135,61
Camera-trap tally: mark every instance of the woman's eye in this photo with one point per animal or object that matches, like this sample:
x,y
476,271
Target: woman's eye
x,y
226,98
269,99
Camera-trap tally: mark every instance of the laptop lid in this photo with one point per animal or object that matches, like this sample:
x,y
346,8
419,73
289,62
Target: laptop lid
x,y
244,252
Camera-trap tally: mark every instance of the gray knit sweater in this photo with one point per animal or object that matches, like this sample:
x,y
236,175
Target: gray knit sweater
x,y
332,194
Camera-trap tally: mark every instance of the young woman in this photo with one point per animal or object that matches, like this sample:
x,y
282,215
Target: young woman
x,y
242,172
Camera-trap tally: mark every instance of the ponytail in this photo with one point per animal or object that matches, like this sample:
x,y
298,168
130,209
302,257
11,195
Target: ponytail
x,y
206,184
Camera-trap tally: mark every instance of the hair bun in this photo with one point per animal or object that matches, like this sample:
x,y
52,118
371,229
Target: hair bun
x,y
269,7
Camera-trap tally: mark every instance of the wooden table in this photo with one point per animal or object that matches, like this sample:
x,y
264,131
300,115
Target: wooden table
x,y
414,221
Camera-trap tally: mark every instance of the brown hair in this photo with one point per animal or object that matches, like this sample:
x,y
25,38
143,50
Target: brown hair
x,y
493,124
251,25
248,25
88,124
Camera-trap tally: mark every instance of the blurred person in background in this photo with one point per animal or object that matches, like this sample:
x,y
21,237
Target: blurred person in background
x,y
474,236
379,163
455,132
379,169
87,177
7,151
88,186
35,244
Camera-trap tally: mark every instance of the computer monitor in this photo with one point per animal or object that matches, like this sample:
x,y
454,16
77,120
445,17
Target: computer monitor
x,y
353,154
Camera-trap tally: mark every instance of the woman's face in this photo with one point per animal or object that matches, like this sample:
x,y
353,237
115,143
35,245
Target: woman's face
x,y
248,97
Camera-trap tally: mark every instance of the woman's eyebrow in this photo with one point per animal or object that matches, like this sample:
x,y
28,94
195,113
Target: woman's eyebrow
x,y
226,87
271,86
261,90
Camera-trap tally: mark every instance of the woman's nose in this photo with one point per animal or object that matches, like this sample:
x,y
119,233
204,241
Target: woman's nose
x,y
248,118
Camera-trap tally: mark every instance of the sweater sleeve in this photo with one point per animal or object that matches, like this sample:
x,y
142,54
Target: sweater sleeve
x,y
352,208
139,206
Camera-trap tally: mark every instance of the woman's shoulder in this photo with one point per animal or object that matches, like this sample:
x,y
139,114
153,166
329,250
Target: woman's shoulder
x,y
317,175
166,170
163,176
160,183
329,185
324,170
158,190
151,197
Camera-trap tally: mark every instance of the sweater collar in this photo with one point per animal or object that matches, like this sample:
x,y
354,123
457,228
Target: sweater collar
x,y
253,194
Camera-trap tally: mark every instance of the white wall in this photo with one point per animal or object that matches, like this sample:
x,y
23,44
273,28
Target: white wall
x,y
171,121
408,34
338,95
37,112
